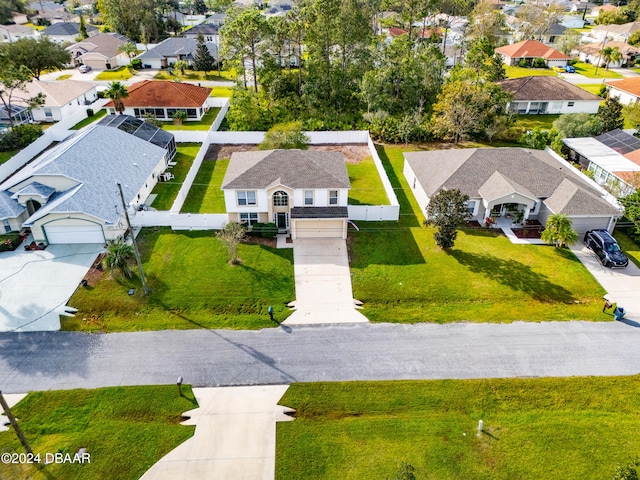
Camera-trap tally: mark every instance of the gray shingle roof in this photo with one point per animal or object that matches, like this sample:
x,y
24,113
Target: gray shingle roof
x,y
469,169
177,45
36,188
96,160
65,28
545,88
292,168
498,186
9,208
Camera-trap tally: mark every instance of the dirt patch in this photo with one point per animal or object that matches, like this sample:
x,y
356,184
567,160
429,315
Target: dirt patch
x,y
267,242
532,229
96,272
353,152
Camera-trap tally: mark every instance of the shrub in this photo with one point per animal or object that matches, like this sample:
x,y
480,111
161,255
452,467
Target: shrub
x,y
136,64
539,63
285,135
523,63
9,242
19,137
269,230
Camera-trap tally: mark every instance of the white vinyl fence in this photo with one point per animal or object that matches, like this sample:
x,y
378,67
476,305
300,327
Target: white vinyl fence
x,y
180,221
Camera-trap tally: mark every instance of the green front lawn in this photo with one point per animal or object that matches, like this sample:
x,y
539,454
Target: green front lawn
x,y
192,75
560,428
205,195
168,191
193,287
591,87
4,156
402,276
124,429
204,124
64,77
628,246
121,73
589,71
366,185
517,72
529,122
89,120
222,92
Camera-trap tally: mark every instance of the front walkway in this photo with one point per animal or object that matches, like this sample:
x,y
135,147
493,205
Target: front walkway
x,y
323,283
235,436
512,237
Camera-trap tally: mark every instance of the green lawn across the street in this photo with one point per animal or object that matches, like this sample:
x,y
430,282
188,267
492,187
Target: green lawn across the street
x,y
589,71
4,156
366,185
205,195
192,285
402,276
191,75
120,73
535,428
517,72
168,191
204,124
221,92
591,87
125,430
89,120
529,122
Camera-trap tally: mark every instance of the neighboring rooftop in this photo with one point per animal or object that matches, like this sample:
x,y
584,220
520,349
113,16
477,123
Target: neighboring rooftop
x,y
531,49
630,85
545,88
143,130
620,141
626,28
66,28
106,44
58,93
156,93
185,47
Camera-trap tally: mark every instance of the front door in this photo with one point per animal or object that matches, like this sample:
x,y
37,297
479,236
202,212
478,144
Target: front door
x,y
281,220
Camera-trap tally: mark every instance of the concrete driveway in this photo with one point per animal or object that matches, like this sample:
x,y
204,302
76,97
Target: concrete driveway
x,y
622,284
323,283
36,285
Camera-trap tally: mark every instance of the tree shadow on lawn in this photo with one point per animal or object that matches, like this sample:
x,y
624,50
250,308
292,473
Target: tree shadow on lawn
x,y
516,276
382,243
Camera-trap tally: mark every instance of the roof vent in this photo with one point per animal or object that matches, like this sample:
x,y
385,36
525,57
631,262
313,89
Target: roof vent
x,y
135,164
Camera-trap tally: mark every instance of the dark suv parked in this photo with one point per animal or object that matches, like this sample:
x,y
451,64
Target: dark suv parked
x,y
606,248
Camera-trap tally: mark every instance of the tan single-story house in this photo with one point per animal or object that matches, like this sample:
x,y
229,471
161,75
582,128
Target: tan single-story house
x,y
303,192
548,95
529,50
100,51
61,98
507,186
592,53
69,193
13,33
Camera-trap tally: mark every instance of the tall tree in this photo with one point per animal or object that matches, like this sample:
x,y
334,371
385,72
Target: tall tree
x,y
82,29
13,81
203,60
631,204
488,23
610,113
559,231
37,55
446,211
8,7
610,54
241,34
116,92
200,7
578,125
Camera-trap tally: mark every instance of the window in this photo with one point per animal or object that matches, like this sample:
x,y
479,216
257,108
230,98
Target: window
x,y
246,198
570,104
47,112
280,199
7,226
192,113
556,105
333,197
308,197
249,218
471,206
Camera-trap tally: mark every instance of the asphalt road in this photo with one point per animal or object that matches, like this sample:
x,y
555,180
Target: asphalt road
x,y
64,360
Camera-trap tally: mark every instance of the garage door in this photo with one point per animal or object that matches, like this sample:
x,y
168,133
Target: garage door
x,y
582,224
319,228
87,233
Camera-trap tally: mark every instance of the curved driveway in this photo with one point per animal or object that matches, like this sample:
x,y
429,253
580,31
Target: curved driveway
x,y
63,360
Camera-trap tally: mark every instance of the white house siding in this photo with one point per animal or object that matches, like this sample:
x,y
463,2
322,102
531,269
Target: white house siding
x,y
624,97
558,107
73,220
419,194
557,63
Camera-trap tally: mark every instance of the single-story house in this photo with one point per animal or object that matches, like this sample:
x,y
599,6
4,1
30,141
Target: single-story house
x,y
19,18
69,193
51,17
209,31
100,51
530,50
13,33
613,157
163,99
303,192
61,98
592,53
626,90
507,186
548,95
64,32
617,33
169,51
572,21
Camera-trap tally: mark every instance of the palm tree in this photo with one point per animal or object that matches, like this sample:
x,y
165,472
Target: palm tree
x,y
118,255
559,231
611,54
116,92
129,48
181,65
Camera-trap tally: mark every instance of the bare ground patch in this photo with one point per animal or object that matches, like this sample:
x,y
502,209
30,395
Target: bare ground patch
x,y
353,152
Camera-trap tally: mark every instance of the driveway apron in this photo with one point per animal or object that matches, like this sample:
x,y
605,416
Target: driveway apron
x,y
323,283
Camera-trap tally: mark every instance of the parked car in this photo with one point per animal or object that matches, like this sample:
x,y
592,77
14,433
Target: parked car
x,y
558,69
570,69
84,68
606,248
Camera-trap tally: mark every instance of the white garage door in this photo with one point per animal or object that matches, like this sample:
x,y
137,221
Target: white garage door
x,y
319,228
86,233
582,224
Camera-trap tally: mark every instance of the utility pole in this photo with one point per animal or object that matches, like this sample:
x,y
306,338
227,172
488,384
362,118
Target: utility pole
x,y
604,44
14,424
133,240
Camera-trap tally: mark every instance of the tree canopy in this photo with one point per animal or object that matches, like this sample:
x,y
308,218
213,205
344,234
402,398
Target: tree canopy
x,y
203,60
559,231
446,211
36,55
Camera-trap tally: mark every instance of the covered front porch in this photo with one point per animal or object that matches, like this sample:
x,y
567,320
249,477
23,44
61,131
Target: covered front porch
x,y
506,204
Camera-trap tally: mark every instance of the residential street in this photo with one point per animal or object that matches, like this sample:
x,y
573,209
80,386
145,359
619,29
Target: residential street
x,y
64,360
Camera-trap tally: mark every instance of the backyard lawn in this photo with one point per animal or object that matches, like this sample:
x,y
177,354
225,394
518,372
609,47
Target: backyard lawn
x,y
4,156
205,195
193,287
560,428
589,71
529,122
124,429
168,191
517,72
402,276
204,124
366,186
120,73
89,120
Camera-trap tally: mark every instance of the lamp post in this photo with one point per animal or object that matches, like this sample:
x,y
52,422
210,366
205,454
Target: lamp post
x,y
606,38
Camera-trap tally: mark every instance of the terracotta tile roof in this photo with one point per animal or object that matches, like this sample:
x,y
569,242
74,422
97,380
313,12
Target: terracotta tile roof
x,y
156,93
396,32
633,156
545,88
630,85
531,49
